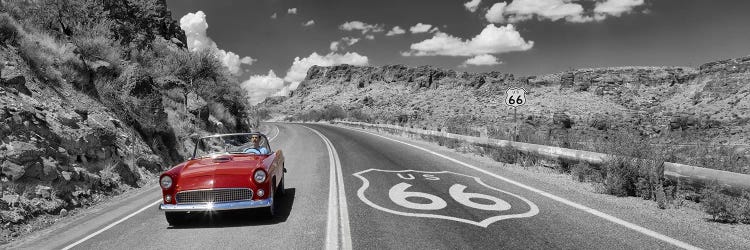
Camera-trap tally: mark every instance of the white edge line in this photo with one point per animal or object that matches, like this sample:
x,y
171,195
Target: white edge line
x,y
123,219
111,225
595,212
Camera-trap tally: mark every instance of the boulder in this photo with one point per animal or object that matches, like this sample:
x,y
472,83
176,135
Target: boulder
x,y
17,83
12,170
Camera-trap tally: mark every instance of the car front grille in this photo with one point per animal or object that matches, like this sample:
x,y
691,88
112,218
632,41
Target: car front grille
x,y
215,195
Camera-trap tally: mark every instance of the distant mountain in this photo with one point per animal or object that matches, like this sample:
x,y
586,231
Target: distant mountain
x,y
677,105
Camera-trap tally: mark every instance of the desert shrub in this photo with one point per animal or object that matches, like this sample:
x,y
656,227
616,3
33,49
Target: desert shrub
x,y
503,154
9,29
40,58
583,171
724,207
333,111
357,115
460,125
621,175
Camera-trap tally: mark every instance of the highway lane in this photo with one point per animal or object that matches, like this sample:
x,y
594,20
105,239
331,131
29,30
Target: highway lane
x,y
554,226
413,199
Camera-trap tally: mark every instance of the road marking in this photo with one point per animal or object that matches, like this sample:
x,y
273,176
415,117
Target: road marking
x,y
111,225
337,225
533,209
123,219
595,212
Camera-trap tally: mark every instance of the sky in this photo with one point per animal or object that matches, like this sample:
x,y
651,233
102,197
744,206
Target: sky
x,y
270,44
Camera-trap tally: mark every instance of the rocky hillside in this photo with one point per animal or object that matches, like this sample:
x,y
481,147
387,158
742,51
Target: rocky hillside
x,y
658,105
97,97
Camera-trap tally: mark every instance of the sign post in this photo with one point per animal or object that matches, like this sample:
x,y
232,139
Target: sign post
x,y
515,97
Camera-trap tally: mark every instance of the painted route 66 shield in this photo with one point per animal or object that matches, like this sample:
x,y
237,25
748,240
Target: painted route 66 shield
x,y
515,97
441,195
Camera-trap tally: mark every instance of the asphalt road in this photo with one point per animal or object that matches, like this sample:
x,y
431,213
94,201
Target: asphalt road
x,y
353,189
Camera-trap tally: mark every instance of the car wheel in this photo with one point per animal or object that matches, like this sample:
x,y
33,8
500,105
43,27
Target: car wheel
x,y
271,210
175,218
281,189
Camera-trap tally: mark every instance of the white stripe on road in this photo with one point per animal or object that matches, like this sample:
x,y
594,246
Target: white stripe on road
x,y
595,212
337,225
111,225
125,218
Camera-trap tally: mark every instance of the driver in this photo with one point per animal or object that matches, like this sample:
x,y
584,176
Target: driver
x,y
256,148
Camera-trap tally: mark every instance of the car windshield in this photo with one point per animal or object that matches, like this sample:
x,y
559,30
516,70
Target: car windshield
x,y
251,143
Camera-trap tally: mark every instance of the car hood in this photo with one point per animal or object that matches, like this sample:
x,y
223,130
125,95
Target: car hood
x,y
219,172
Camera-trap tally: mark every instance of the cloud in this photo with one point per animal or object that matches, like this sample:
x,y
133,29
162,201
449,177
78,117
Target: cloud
x,y
420,28
521,10
495,13
472,5
370,37
292,11
492,40
309,23
569,10
364,27
273,16
298,70
344,41
259,87
334,45
195,26
395,31
616,7
484,59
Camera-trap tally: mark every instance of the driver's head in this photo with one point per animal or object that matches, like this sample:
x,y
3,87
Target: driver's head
x,y
255,139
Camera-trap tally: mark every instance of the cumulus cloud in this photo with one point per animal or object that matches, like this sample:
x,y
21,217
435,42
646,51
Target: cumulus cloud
x,y
616,7
420,28
521,10
569,10
484,59
195,26
495,13
298,70
370,37
334,45
273,16
344,41
309,23
472,5
395,31
259,87
292,11
364,27
492,40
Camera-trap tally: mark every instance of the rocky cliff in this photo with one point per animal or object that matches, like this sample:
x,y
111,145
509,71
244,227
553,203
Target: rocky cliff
x,y
85,112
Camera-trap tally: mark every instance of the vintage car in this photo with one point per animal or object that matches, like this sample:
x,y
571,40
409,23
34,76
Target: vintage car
x,y
226,172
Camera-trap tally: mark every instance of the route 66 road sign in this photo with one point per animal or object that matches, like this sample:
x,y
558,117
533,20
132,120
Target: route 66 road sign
x,y
440,195
515,97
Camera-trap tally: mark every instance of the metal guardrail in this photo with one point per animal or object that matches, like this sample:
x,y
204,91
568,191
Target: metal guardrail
x,y
671,170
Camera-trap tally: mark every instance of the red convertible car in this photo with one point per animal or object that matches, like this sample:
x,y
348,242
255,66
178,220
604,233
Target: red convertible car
x,y
226,172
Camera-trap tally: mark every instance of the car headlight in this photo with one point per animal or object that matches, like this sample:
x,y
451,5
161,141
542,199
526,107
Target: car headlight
x,y
259,176
166,182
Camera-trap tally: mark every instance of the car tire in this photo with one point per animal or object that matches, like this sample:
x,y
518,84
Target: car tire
x,y
281,190
175,218
271,210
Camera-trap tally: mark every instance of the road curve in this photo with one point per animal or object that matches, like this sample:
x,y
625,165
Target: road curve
x,y
373,192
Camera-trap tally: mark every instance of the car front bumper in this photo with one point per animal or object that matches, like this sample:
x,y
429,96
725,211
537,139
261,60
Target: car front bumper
x,y
203,207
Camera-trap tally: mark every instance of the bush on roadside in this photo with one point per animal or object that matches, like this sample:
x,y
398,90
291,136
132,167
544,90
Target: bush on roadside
x,y
9,30
724,207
